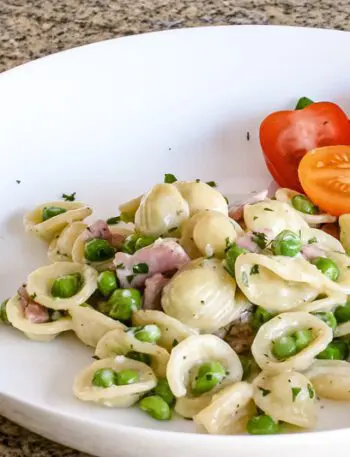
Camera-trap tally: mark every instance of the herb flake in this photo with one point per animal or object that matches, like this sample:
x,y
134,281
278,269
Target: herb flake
x,y
254,270
295,392
120,266
264,391
140,268
69,197
169,178
312,240
130,278
268,209
211,183
113,220
260,239
311,391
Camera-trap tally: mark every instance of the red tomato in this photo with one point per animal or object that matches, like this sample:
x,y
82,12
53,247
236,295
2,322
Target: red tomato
x,y
286,136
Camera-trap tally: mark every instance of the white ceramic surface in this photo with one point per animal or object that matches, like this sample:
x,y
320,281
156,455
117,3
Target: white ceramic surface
x,y
106,121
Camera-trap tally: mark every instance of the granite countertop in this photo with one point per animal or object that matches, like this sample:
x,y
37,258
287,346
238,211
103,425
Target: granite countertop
x,y
34,28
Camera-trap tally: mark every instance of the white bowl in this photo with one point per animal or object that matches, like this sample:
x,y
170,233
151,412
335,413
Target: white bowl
x,y
108,120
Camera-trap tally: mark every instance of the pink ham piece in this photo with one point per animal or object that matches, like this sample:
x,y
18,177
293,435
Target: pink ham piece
x,y
247,241
162,256
153,291
236,210
35,313
312,251
100,229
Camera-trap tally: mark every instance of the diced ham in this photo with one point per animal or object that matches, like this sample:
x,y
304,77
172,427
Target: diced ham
x,y
160,257
236,210
35,313
312,251
246,242
153,291
100,229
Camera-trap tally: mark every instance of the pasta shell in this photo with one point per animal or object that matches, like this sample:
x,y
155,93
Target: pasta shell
x,y
344,225
33,221
90,325
285,324
115,396
287,397
200,196
40,282
189,407
161,209
119,342
60,249
208,233
194,351
331,379
322,239
281,283
202,296
172,330
229,410
286,195
131,206
274,216
34,331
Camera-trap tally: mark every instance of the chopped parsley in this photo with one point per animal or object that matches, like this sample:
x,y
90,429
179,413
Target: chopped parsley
x,y
245,279
268,209
172,229
130,278
120,266
264,391
311,391
295,392
260,239
254,270
255,218
312,240
96,357
169,178
140,268
175,343
228,243
198,180
226,199
113,220
33,296
69,197
211,183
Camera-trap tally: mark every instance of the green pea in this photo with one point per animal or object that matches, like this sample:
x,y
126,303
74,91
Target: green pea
x,y
302,339
231,256
304,205
208,376
3,313
163,390
284,347
148,334
107,283
336,350
126,377
262,425
328,318
123,302
66,286
327,266
156,407
129,244
140,357
247,365
342,313
52,211
143,241
286,243
104,377
98,250
303,102
260,317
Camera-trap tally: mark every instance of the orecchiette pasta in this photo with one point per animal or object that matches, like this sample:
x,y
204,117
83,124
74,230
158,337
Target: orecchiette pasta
x,y
60,249
47,229
322,240
189,407
282,283
172,330
229,410
193,351
286,195
162,209
200,196
283,325
274,216
41,280
344,225
343,262
207,233
287,396
342,329
202,296
117,396
131,206
331,379
39,332
90,325
119,342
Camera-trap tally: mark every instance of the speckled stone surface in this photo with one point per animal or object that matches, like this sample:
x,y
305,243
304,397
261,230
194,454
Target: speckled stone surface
x,y
33,28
